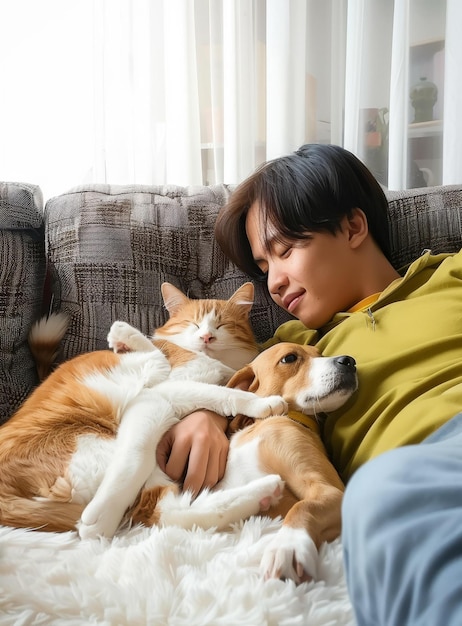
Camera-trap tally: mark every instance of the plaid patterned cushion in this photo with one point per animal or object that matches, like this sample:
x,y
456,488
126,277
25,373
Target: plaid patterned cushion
x,y
113,246
22,274
425,218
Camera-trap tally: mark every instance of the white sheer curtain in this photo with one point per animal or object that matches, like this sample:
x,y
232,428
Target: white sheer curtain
x,y
146,92
202,91
399,75
452,150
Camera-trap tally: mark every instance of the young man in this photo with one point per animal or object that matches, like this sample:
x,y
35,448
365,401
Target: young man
x,y
314,226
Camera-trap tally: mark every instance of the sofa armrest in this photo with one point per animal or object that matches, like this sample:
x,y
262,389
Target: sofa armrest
x,y
22,276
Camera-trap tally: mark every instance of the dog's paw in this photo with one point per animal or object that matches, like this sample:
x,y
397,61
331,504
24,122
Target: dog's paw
x,y
291,554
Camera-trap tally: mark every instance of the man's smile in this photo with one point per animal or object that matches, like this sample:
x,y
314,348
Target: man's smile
x,y
291,300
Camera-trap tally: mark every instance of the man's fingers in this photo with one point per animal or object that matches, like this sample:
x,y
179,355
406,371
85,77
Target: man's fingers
x,y
194,451
195,479
178,460
162,453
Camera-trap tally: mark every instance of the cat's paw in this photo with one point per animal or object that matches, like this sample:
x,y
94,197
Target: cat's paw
x,y
156,368
291,554
119,337
253,498
266,407
274,488
97,522
125,338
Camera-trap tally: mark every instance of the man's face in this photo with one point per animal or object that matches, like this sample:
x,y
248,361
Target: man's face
x,y
312,278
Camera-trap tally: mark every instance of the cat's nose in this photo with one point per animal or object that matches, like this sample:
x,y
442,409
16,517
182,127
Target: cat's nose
x,y
208,338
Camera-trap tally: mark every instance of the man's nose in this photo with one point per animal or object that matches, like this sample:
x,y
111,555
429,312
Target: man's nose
x,y
277,279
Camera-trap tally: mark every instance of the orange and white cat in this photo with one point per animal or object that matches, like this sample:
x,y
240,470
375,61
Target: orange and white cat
x,y
81,451
218,328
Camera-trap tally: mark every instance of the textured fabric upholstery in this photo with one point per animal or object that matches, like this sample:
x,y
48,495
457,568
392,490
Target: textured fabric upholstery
x,y
111,248
428,218
22,275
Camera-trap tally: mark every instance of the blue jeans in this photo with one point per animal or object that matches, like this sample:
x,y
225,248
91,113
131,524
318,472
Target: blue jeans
x,y
402,534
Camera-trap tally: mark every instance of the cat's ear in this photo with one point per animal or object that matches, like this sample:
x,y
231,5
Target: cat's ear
x,y
173,297
244,296
245,379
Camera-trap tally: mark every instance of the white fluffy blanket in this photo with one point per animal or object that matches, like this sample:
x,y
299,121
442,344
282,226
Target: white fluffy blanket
x,y
161,576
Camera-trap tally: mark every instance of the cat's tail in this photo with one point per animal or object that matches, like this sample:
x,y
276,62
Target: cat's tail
x,y
39,513
44,340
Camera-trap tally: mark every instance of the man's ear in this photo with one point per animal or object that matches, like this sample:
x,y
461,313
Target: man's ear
x,y
357,227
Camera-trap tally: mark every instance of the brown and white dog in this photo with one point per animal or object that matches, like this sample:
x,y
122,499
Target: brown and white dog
x,y
312,495
80,452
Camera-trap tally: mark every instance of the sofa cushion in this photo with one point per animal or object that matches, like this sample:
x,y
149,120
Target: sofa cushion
x,y
22,275
111,247
427,218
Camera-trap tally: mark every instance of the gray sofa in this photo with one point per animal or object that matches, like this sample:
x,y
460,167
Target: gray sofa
x,y
99,253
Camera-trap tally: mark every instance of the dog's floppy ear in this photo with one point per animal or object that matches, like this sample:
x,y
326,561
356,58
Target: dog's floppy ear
x,y
245,379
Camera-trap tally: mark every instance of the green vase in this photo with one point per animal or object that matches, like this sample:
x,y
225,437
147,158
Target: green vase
x,y
423,98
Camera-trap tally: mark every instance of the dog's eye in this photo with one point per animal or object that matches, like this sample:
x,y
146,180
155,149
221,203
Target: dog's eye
x,y
289,358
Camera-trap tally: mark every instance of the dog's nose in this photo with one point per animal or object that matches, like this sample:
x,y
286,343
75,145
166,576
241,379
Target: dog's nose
x,y
346,361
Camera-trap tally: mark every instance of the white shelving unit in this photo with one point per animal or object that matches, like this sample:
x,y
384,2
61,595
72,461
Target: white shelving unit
x,y
425,139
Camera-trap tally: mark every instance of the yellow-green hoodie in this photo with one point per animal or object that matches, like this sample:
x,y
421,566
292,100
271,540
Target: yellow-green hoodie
x,y
408,348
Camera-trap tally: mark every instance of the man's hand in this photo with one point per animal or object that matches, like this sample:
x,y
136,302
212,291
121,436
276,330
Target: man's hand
x,y
195,450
